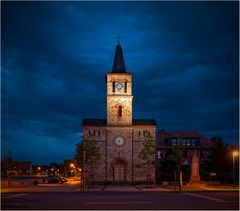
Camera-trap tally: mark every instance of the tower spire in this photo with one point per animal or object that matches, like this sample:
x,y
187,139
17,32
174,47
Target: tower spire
x,y
118,39
118,63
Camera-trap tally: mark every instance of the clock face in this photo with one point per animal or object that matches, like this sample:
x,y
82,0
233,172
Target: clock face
x,y
119,85
119,141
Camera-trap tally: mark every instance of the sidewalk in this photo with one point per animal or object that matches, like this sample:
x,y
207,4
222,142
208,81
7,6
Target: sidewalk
x,y
118,188
152,189
42,187
36,189
113,188
187,188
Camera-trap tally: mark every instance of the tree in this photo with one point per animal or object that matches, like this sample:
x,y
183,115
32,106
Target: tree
x,y
219,156
168,165
53,168
174,161
92,154
147,153
79,154
65,166
7,164
177,155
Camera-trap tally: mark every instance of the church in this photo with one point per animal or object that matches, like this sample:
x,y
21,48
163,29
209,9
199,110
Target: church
x,y
119,137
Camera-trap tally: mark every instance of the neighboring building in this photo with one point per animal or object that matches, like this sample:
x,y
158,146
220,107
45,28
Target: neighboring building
x,y
21,168
119,137
191,140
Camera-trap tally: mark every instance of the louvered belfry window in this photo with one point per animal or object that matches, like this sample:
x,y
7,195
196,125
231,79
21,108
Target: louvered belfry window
x,y
120,111
113,86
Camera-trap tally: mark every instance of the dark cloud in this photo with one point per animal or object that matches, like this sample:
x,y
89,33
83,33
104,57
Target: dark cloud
x,y
184,57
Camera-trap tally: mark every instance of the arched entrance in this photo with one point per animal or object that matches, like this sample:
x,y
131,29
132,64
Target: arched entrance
x,y
119,166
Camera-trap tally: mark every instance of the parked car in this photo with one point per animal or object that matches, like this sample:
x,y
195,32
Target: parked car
x,y
54,179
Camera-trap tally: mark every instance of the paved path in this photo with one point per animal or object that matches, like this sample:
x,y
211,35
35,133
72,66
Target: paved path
x,y
118,188
153,189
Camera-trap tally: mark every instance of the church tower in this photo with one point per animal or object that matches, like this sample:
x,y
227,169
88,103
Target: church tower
x,y
119,137
119,92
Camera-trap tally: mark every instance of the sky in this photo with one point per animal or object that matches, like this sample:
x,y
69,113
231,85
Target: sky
x,y
54,56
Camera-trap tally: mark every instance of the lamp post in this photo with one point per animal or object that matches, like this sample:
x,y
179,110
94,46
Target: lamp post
x,y
234,154
39,168
74,167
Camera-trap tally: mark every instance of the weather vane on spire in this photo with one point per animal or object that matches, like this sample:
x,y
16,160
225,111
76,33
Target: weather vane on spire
x,y
118,39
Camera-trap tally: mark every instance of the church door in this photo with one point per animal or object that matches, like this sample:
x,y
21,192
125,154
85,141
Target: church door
x,y
119,171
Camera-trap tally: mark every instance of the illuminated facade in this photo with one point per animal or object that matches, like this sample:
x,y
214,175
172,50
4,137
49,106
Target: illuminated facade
x,y
119,137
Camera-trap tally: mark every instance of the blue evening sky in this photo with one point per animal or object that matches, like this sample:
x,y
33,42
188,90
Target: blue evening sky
x,y
184,57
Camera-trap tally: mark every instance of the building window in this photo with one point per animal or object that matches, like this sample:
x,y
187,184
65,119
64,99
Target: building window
x,y
94,132
139,133
120,111
98,133
174,141
125,87
159,155
183,141
188,142
113,86
193,142
89,132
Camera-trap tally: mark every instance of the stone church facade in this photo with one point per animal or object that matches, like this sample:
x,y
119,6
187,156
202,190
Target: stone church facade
x,y
119,137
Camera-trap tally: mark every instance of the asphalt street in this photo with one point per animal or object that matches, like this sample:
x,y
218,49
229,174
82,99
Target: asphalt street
x,y
121,200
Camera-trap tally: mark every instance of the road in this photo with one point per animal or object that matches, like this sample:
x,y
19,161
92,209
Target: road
x,y
121,200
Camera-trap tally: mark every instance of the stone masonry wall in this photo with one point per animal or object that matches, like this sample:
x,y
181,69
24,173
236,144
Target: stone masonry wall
x,y
139,171
119,98
99,134
124,151
129,151
113,102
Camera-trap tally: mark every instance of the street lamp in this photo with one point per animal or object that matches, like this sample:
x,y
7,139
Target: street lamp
x,y
73,166
234,154
39,168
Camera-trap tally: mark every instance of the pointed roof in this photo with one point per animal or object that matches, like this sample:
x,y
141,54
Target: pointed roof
x,y
118,64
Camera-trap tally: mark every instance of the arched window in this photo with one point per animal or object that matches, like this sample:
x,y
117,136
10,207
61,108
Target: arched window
x,y
120,111
125,87
113,86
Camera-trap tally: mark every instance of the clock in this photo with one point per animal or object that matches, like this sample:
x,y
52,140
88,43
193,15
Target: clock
x,y
119,141
119,85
